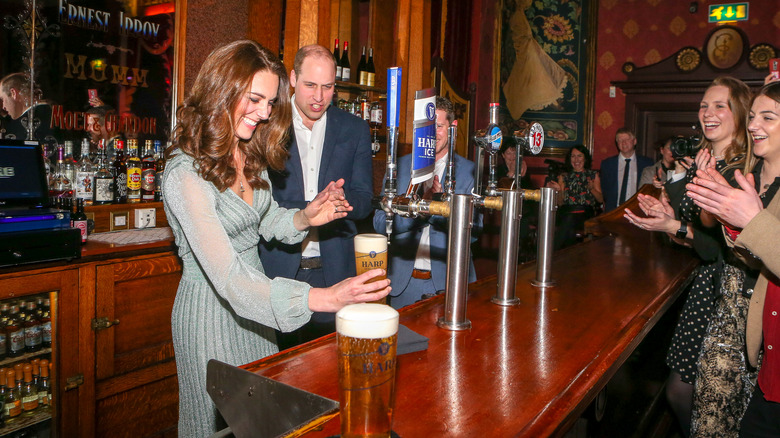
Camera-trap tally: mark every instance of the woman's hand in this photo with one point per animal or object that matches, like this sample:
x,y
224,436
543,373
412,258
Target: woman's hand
x,y
704,160
330,204
594,185
660,215
350,291
734,207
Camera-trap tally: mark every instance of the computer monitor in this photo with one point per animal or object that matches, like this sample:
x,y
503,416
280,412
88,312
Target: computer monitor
x,y
23,181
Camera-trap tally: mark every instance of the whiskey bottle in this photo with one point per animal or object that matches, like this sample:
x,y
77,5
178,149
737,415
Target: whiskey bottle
x,y
103,189
13,401
84,173
29,391
44,386
159,169
147,173
133,172
68,163
120,173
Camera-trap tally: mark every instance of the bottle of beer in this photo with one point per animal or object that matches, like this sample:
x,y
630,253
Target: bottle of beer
x,y
29,391
159,169
46,328
370,69
147,173
84,173
103,190
44,386
337,57
13,400
32,329
345,70
79,220
36,369
3,337
14,333
361,68
3,395
133,172
120,173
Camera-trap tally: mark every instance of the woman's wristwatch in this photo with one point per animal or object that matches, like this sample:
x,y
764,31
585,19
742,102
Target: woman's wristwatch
x,y
683,231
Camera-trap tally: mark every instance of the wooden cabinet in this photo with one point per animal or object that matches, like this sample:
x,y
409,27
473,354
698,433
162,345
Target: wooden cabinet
x,y
62,289
115,373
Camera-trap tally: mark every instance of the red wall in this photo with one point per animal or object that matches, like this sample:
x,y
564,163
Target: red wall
x,y
647,31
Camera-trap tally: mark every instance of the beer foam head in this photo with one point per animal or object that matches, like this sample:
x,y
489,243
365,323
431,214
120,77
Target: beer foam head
x,y
367,321
366,243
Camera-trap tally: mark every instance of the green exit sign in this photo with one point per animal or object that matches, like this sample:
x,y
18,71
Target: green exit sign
x,y
728,12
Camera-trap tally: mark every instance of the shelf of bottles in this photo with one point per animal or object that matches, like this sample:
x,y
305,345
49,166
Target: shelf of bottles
x,y
26,368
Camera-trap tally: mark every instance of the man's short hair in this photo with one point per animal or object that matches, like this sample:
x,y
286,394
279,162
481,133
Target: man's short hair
x,y
17,81
312,50
625,130
100,112
444,104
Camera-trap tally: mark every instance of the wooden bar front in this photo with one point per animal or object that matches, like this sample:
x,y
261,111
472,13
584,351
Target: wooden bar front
x,y
528,370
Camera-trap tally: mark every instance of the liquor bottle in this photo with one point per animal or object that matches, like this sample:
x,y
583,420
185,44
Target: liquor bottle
x,y
103,189
32,329
61,186
337,57
47,163
375,122
36,370
19,378
29,391
44,386
361,68
84,174
13,401
51,374
345,70
133,172
159,171
68,163
79,220
14,333
147,173
46,328
120,173
370,69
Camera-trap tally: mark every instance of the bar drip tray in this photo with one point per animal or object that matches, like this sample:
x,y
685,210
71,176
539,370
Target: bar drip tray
x,y
256,406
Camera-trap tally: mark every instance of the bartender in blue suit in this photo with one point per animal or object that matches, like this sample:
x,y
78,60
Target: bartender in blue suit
x,y
417,262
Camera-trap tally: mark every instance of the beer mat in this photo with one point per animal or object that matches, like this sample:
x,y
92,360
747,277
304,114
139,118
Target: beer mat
x,y
410,341
133,237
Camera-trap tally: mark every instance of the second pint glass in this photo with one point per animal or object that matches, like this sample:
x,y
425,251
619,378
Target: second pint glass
x,y
371,253
366,339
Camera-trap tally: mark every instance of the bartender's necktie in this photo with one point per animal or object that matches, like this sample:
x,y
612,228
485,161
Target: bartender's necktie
x,y
624,184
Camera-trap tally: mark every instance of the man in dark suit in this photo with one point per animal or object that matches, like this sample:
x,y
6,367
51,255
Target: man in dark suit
x,y
327,144
417,262
620,174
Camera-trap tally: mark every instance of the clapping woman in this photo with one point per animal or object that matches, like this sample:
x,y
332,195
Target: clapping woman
x,y
750,215
231,128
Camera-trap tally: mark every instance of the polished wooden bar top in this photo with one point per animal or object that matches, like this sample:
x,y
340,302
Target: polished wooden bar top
x,y
528,370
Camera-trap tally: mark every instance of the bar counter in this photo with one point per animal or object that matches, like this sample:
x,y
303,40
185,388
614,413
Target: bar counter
x,y
528,370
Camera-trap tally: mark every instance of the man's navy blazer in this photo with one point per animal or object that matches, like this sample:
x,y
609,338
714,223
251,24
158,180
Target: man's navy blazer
x,y
346,153
609,178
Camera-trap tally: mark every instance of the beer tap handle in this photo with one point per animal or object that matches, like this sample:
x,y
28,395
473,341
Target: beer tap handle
x,y
449,176
479,138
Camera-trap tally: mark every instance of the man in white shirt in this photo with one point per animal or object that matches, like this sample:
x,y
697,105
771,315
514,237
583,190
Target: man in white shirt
x,y
417,262
326,144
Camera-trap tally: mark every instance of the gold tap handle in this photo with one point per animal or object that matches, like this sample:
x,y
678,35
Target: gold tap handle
x,y
532,195
493,202
439,208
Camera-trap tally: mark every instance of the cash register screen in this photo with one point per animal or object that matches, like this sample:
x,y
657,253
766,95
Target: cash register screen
x,y
22,174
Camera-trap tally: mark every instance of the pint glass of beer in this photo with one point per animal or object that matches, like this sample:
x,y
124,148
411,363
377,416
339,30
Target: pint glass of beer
x,y
366,339
371,253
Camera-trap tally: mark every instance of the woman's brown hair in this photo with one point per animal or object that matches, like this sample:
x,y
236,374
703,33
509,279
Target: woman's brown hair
x,y
206,125
772,91
739,104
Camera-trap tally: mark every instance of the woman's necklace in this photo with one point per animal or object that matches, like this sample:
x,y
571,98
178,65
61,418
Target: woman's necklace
x,y
241,185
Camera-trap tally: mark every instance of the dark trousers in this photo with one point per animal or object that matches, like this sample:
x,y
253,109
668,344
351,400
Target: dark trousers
x,y
321,323
762,418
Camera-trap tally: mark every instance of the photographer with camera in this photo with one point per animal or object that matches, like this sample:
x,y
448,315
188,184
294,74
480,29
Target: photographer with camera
x,y
711,382
666,169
